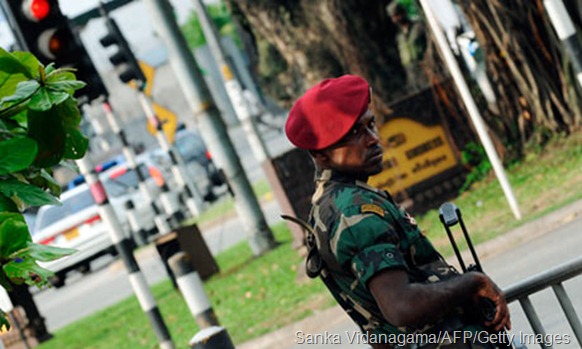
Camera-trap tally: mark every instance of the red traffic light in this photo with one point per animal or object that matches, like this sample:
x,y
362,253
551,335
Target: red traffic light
x,y
36,10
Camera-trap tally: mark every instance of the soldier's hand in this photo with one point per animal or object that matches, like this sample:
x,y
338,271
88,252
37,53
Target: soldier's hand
x,y
490,291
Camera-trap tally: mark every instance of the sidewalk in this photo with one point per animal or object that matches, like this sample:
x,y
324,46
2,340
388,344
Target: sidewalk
x,y
334,320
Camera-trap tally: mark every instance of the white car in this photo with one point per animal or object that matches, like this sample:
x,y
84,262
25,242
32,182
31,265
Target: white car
x,y
77,223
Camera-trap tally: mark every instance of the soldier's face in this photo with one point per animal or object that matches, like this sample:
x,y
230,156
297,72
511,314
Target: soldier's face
x,y
358,153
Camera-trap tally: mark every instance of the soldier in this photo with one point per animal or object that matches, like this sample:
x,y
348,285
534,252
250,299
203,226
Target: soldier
x,y
411,42
367,250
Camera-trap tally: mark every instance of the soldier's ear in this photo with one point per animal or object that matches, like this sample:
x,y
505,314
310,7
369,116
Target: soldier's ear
x,y
319,156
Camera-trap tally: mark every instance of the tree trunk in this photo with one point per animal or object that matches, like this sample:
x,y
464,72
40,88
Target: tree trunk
x,y
532,80
328,38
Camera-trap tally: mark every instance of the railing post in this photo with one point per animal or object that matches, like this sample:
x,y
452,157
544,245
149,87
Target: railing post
x,y
534,320
569,311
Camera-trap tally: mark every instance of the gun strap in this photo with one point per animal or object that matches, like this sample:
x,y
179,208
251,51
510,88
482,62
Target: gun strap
x,y
316,268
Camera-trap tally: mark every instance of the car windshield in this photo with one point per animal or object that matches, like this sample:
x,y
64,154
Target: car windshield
x,y
71,205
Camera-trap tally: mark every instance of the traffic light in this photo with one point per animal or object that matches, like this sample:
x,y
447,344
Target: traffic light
x,y
41,28
123,59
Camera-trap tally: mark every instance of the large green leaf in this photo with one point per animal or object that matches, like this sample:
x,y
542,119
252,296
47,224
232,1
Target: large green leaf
x,y
25,269
59,85
76,144
53,186
14,233
30,62
12,110
24,90
16,154
14,68
46,128
45,253
65,82
29,194
6,204
49,69
42,179
69,113
42,99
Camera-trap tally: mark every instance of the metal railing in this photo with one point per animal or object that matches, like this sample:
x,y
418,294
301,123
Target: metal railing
x,y
551,278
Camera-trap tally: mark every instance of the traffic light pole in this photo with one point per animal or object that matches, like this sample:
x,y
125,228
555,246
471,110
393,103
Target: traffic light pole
x,y
193,200
210,122
130,70
124,248
159,216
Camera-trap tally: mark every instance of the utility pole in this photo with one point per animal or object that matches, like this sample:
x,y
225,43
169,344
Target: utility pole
x,y
211,124
232,85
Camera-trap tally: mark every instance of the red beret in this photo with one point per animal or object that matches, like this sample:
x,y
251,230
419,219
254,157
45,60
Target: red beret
x,y
327,111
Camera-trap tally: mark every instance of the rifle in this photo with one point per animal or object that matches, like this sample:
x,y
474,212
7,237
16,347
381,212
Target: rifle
x,y
450,215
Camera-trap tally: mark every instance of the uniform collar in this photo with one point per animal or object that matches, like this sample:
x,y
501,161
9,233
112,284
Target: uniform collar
x,y
328,175
334,176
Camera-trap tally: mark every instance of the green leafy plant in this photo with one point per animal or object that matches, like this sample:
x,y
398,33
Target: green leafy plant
x,y
39,128
474,157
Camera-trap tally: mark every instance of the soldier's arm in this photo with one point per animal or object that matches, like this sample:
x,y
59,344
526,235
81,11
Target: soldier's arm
x,y
413,304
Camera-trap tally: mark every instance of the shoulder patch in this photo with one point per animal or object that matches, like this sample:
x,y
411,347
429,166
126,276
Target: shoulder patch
x,y
372,208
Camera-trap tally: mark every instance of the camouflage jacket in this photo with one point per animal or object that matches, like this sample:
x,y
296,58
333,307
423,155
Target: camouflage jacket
x,y
368,233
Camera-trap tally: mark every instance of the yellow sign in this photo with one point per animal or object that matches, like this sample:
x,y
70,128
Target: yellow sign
x,y
168,120
413,152
149,72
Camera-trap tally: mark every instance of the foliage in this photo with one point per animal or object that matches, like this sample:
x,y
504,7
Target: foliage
x,y
474,157
39,127
219,14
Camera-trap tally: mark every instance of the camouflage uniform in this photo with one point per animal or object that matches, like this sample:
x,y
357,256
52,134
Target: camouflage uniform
x,y
367,233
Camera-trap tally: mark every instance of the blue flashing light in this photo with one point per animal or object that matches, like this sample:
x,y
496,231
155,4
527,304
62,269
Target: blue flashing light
x,y
80,179
106,166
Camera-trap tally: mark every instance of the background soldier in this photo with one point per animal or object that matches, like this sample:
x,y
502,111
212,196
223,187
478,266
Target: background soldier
x,y
411,41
